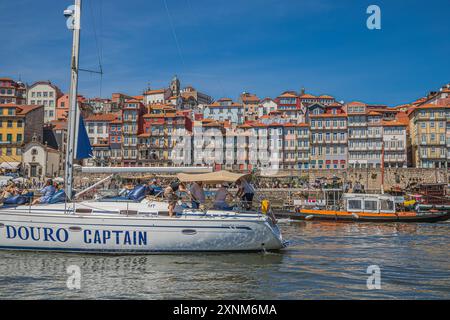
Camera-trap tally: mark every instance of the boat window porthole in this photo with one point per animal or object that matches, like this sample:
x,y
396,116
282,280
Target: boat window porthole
x,y
75,229
189,231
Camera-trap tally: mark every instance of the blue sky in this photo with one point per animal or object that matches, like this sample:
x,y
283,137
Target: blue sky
x,y
226,47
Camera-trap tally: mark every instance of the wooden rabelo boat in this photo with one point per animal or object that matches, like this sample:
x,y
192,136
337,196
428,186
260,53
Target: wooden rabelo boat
x,y
373,208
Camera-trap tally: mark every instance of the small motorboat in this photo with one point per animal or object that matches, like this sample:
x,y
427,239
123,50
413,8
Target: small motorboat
x,y
373,208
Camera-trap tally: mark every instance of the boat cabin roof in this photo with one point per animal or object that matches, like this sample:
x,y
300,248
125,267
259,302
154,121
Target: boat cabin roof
x,y
369,196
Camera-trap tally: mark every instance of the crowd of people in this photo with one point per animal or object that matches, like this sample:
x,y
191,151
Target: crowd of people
x,y
22,192
197,195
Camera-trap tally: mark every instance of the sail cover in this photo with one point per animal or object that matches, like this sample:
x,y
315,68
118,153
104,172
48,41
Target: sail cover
x,y
82,144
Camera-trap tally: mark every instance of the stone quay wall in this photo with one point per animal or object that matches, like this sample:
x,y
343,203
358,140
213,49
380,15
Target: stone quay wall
x,y
393,177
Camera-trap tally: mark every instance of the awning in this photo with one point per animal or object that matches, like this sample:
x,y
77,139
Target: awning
x,y
274,174
10,165
212,177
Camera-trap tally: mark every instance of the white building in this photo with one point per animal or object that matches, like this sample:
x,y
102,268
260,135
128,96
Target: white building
x,y
225,109
266,106
394,141
44,93
358,151
40,161
160,96
97,127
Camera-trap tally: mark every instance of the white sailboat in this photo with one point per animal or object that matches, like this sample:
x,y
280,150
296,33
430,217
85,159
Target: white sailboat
x,y
127,227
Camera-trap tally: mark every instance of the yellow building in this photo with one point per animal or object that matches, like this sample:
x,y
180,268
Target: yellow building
x,y
428,136
18,124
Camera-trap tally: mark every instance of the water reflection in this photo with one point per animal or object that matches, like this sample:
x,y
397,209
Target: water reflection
x,y
325,260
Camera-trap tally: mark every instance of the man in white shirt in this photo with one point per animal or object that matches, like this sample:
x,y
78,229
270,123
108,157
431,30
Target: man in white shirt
x,y
197,195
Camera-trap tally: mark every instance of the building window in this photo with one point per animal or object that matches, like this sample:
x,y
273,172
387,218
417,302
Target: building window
x,y
10,124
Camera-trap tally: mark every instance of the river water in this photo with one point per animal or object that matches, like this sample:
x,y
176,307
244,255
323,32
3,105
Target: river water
x,y
325,260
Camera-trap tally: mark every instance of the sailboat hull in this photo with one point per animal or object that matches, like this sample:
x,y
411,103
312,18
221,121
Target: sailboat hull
x,y
121,234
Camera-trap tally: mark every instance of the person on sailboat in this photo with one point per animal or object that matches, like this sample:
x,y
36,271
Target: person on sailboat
x,y
246,193
197,195
170,193
47,192
155,188
7,193
220,200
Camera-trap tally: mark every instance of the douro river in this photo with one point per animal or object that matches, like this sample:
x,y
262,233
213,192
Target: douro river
x,y
325,260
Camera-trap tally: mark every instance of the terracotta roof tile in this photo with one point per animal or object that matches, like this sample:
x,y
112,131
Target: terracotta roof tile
x,y
106,117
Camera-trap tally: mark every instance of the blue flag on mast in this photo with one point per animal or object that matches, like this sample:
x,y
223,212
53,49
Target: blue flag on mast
x,y
84,148
83,145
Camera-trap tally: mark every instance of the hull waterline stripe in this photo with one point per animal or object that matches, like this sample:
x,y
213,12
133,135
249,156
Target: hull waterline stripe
x,y
119,251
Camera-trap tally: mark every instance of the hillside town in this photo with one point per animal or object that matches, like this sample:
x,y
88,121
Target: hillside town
x,y
179,125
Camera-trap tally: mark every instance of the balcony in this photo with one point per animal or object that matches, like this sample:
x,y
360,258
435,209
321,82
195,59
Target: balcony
x,y
357,136
357,148
434,156
432,143
357,124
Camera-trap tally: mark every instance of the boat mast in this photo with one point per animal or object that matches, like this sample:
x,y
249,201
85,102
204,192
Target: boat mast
x,y
73,13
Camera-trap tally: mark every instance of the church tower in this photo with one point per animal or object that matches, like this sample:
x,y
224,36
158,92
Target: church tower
x,y
175,86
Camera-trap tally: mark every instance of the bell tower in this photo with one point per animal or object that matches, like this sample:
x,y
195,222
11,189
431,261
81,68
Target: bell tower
x,y
175,86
